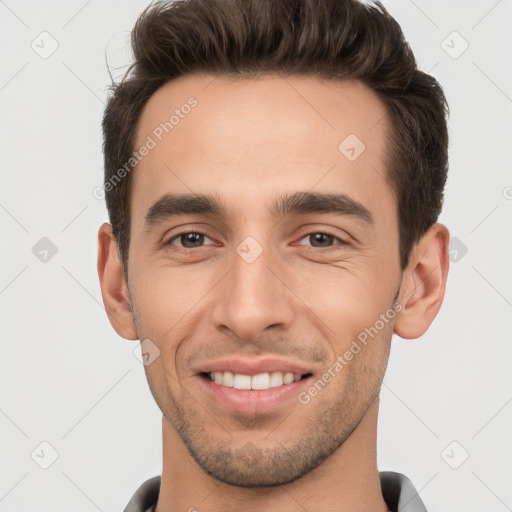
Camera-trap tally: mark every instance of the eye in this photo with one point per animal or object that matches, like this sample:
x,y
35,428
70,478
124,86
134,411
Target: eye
x,y
322,239
195,240
188,239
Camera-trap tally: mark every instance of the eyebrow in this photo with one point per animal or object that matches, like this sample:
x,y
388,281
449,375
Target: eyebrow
x,y
173,205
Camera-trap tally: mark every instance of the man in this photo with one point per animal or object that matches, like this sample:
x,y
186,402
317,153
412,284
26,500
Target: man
x,y
274,171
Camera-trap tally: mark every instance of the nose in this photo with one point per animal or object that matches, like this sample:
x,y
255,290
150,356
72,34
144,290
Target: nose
x,y
253,296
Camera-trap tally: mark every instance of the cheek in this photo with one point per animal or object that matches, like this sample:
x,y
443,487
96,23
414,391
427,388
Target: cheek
x,y
167,296
347,299
356,321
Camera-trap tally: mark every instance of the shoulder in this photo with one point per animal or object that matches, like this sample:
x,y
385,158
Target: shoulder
x,y
399,493
145,496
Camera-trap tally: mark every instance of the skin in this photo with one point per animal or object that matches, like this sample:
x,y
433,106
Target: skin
x,y
246,142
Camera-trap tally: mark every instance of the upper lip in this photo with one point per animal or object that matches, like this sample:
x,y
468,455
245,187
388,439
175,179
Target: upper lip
x,y
253,366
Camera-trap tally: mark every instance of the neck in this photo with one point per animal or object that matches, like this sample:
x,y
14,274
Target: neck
x,y
348,480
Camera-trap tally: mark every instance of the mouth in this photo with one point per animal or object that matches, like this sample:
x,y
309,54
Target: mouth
x,y
253,385
257,394
260,381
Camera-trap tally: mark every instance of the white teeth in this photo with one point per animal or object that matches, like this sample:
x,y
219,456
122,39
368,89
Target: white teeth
x,y
242,381
259,381
288,377
227,379
276,379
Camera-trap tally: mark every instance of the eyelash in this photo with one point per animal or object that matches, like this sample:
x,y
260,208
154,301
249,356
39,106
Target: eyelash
x,y
341,242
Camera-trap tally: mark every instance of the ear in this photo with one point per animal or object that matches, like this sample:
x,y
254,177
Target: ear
x,y
423,283
114,288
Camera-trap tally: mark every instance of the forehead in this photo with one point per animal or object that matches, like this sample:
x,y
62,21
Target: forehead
x,y
255,136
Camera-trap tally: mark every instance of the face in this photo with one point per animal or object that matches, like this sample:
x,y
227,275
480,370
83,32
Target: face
x,y
285,255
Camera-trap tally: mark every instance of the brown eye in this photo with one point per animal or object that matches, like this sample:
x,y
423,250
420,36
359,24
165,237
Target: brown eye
x,y
188,240
321,239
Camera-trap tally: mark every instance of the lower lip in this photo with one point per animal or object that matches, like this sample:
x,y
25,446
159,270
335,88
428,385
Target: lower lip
x,y
252,401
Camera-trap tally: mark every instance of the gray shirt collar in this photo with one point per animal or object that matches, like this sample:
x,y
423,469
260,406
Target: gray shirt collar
x,y
397,490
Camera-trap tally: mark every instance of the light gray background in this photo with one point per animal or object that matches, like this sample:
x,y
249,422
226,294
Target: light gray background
x,y
67,379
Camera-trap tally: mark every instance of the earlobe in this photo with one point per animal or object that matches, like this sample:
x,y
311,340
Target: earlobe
x,y
114,289
424,283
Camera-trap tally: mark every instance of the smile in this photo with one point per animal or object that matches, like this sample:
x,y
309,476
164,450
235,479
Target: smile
x,y
253,394
259,381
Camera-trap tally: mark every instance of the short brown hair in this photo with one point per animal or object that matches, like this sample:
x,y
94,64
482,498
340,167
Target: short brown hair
x,y
333,39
